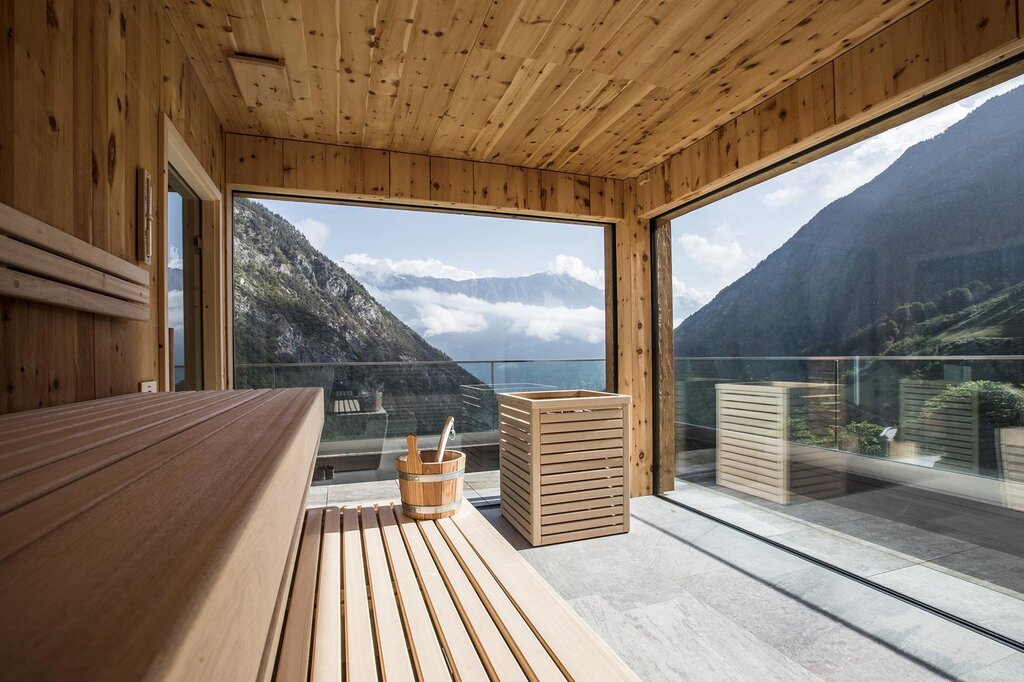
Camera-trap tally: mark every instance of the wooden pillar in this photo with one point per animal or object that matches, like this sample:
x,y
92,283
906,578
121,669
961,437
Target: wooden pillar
x,y
633,314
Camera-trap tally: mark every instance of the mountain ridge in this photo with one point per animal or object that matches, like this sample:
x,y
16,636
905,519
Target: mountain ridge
x,y
924,226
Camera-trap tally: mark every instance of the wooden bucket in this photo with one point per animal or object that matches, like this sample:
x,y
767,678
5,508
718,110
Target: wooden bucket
x,y
431,490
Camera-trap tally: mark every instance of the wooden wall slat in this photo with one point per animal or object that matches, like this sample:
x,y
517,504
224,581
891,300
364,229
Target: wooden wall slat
x,y
268,164
82,85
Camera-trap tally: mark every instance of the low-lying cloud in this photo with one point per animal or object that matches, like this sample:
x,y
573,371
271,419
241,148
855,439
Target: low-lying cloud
x,y
362,265
440,313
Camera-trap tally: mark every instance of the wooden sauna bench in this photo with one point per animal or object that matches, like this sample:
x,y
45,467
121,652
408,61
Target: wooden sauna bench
x,y
152,536
377,595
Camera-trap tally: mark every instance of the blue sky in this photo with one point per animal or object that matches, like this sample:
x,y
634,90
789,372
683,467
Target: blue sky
x,y
715,245
443,244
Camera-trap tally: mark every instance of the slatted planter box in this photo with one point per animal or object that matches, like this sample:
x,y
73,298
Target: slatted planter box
x,y
756,454
564,464
1011,454
952,433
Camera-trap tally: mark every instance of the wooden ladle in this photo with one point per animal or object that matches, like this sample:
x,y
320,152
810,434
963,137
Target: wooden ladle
x,y
446,433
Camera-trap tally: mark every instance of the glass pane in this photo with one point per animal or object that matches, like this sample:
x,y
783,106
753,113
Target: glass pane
x,y
849,358
184,285
405,317
175,286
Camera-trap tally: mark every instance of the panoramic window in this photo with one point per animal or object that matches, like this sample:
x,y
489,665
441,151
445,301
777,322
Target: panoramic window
x,y
404,317
848,346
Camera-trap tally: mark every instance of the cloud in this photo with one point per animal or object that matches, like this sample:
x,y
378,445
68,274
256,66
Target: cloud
x,y
577,269
782,196
724,258
316,232
438,313
436,319
681,290
836,177
365,265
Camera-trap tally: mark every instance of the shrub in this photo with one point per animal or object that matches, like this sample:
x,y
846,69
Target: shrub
x,y
999,404
863,437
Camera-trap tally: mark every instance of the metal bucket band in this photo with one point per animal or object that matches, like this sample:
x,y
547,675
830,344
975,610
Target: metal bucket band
x,y
430,478
440,509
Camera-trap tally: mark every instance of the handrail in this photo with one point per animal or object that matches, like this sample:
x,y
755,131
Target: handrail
x,y
409,362
929,358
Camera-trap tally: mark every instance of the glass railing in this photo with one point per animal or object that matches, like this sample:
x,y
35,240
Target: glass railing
x,y
370,407
907,471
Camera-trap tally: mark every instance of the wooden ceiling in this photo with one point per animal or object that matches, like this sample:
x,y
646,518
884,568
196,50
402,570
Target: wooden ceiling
x,y
603,87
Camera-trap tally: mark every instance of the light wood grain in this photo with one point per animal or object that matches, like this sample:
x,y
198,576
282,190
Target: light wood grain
x,y
569,86
82,88
564,454
327,627
293,662
360,652
330,171
166,562
447,599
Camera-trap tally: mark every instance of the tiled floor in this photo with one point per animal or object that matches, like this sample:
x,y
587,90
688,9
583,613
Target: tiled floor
x,y
931,559
682,597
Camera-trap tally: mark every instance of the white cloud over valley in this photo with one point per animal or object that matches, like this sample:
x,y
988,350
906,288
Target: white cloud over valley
x,y
440,313
575,267
362,265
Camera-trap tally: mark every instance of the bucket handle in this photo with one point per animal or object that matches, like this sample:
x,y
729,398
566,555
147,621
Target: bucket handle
x,y
412,459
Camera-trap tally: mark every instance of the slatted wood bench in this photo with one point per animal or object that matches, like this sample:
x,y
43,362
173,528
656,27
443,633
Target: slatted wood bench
x,y
165,536
377,595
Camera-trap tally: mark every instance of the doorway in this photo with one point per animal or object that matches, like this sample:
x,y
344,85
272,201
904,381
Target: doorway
x,y
184,284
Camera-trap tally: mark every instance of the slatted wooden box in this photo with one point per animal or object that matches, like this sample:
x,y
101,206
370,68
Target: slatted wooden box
x,y
952,433
756,452
564,464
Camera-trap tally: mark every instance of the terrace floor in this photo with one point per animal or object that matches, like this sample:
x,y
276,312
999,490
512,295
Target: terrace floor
x,y
684,597
948,554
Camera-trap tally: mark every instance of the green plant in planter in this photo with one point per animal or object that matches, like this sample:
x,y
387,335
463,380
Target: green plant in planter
x,y
863,437
999,405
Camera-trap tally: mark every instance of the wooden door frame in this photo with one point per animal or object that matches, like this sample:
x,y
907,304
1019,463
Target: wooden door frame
x,y
174,151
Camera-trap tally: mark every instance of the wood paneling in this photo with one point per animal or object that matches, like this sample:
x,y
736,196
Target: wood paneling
x,y
633,314
939,43
593,87
81,88
309,168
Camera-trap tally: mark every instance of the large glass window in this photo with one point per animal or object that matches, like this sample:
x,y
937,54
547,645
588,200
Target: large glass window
x,y
404,317
849,358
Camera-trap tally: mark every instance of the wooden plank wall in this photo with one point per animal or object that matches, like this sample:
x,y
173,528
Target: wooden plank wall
x,y
332,171
82,85
939,43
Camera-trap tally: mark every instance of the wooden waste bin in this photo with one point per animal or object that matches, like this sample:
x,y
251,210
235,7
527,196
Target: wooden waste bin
x,y
564,464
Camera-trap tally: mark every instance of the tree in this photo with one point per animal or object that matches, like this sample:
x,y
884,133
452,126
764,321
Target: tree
x,y
901,315
916,311
957,299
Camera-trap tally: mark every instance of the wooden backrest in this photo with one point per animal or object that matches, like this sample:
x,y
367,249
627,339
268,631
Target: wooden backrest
x,y
40,263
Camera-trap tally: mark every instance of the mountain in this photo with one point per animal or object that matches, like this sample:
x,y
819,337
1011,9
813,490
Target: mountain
x,y
501,326
295,305
946,214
